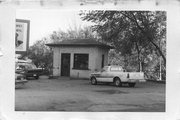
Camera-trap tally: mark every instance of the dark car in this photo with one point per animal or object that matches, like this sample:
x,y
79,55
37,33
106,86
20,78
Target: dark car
x,y
29,70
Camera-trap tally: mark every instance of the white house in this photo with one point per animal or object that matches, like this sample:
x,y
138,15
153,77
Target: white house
x,y
77,58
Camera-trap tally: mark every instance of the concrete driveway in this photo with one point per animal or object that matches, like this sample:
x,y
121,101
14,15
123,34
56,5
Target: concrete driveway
x,y
79,95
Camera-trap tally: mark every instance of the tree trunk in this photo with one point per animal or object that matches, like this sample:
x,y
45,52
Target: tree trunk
x,y
139,60
160,52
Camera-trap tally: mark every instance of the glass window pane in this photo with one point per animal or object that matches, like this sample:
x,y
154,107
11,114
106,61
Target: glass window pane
x,y
114,68
81,61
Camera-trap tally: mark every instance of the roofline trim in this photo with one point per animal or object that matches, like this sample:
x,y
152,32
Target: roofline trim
x,y
101,45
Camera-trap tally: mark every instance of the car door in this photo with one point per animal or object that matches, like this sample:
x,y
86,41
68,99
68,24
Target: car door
x,y
105,75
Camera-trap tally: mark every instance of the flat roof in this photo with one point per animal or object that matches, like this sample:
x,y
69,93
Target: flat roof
x,y
80,42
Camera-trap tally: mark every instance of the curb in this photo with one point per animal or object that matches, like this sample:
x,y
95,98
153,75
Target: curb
x,y
162,82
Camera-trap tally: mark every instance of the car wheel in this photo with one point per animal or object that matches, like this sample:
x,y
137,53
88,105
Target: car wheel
x,y
93,81
117,82
131,84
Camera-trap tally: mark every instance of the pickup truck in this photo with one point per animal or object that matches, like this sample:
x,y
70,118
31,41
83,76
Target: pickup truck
x,y
116,75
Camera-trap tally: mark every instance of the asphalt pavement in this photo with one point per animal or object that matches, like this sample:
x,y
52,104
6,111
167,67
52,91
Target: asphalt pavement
x,y
80,96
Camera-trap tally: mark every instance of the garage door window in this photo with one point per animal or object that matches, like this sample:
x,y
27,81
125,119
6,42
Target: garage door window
x,y
81,61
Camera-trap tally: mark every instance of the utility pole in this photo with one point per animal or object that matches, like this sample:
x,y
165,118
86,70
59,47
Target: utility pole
x,y
140,67
160,73
160,66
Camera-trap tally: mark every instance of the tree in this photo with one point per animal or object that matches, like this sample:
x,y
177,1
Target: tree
x,y
115,58
40,54
131,32
72,33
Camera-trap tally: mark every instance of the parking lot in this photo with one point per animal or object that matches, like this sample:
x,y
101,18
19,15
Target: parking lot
x,y
65,94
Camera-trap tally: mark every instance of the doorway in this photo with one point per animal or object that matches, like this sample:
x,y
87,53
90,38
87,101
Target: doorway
x,y
65,64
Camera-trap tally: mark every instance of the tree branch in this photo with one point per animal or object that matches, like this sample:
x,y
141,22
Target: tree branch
x,y
147,36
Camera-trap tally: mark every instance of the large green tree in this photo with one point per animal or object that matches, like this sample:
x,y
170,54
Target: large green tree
x,y
131,32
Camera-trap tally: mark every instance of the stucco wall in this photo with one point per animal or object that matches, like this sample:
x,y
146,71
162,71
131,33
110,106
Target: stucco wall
x,y
95,59
99,58
56,62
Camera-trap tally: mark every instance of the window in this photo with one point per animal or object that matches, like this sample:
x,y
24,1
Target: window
x,y
81,61
116,68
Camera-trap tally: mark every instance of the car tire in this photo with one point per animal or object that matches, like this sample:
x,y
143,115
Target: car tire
x,y
117,82
93,81
131,84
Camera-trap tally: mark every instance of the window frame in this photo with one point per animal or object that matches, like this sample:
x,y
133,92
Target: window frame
x,y
75,62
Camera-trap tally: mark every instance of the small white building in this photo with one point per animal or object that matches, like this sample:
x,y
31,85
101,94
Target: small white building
x,y
77,58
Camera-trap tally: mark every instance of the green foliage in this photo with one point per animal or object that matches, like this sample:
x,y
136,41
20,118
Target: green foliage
x,y
127,28
71,33
137,35
115,58
40,54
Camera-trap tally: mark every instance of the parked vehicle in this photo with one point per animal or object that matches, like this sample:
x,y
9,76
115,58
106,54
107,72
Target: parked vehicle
x,y
28,69
19,80
116,75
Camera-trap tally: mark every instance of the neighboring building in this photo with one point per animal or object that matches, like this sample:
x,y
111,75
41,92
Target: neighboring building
x,y
77,58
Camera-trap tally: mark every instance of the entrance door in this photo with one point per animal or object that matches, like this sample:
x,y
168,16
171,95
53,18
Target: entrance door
x,y
65,64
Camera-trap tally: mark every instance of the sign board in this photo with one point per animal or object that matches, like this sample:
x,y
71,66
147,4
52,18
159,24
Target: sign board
x,y
22,35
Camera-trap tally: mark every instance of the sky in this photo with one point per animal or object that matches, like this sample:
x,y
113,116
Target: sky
x,y
44,21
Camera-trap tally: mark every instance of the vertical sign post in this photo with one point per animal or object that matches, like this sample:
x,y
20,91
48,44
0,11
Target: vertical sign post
x,y
22,36
160,67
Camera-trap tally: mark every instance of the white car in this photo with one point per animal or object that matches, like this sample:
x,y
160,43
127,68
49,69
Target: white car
x,y
116,75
